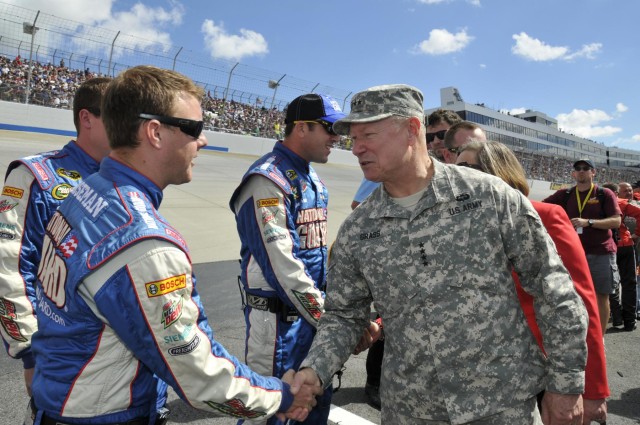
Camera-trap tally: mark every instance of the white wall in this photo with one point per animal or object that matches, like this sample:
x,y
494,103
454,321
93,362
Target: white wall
x,y
40,119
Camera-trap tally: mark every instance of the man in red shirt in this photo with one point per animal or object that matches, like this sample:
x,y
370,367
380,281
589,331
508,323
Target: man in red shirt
x,y
624,305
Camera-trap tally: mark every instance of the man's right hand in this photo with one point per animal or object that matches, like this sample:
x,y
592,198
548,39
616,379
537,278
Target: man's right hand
x,y
305,386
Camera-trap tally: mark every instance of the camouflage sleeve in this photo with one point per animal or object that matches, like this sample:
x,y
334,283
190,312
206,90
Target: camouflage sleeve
x,y
560,312
347,309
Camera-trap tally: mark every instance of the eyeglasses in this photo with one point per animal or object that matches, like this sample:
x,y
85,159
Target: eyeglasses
x,y
94,111
454,150
582,168
439,134
326,125
191,127
474,166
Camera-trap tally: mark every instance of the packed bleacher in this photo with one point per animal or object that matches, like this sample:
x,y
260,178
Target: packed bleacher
x,y
55,85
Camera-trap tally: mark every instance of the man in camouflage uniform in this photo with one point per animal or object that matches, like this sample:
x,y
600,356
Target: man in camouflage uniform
x,y
433,249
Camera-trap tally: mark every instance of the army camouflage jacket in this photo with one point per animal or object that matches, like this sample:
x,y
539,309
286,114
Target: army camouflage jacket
x,y
457,347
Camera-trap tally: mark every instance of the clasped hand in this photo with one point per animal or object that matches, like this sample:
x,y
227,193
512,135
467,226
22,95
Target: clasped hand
x,y
305,386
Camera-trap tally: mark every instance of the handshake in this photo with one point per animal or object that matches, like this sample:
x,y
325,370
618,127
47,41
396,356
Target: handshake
x,y
305,386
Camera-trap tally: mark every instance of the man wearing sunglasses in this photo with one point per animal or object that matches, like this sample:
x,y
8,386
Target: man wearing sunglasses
x,y
594,212
117,302
459,135
281,214
438,122
33,190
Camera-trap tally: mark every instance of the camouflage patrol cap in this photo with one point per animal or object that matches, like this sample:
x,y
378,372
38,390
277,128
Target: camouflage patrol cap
x,y
380,102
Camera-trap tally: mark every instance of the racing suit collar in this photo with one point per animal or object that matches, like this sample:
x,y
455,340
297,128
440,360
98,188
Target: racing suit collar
x,y
123,175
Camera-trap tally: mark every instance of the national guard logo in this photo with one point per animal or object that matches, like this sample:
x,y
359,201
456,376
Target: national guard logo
x,y
235,408
291,174
7,319
310,304
61,191
171,312
6,206
70,174
14,192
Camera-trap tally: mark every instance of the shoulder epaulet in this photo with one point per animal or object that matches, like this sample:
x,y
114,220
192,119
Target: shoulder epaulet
x,y
36,164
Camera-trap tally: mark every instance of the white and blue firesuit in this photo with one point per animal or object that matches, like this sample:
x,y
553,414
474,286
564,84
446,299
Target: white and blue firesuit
x,y
33,189
281,215
116,303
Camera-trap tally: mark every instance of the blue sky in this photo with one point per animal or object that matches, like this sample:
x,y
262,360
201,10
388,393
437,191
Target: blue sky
x,y
575,60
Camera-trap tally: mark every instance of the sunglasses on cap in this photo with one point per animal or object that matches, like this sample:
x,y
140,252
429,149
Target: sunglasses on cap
x,y
439,134
582,168
474,166
326,125
190,127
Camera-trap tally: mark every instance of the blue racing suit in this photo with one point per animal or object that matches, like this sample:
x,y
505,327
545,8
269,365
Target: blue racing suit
x,y
117,303
281,215
34,187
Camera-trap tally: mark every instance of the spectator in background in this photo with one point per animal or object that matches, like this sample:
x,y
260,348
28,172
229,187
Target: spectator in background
x,y
497,159
438,122
34,188
434,252
623,306
593,212
457,136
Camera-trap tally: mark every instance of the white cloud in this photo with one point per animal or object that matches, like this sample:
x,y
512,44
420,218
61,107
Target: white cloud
x,y
141,26
433,1
483,66
474,2
442,42
587,123
536,50
621,107
229,46
636,138
514,111
76,10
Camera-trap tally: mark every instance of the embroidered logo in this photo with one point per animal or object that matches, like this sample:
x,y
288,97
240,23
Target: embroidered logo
x,y
235,408
14,192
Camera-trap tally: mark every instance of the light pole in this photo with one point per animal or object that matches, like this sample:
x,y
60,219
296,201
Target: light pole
x,y
31,29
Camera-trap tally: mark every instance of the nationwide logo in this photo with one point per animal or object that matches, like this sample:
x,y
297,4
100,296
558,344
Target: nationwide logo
x,y
186,348
235,408
61,191
14,192
7,319
165,286
171,312
6,206
268,202
310,303
70,174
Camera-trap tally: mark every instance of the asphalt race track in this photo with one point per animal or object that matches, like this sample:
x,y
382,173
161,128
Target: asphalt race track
x,y
199,210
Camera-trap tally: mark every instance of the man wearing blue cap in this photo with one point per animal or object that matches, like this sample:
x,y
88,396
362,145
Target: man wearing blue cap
x,y
281,214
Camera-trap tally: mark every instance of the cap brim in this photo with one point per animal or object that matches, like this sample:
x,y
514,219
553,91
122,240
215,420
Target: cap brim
x,y
333,118
342,126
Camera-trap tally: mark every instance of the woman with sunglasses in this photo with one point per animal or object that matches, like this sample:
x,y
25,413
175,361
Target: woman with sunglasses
x,y
497,159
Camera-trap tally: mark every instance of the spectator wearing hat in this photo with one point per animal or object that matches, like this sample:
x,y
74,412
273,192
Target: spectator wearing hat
x,y
434,252
594,212
281,213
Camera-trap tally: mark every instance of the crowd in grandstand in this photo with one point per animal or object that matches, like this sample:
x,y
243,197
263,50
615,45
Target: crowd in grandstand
x,y
54,85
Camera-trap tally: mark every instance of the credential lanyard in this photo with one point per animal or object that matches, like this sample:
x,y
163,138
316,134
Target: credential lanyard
x,y
581,205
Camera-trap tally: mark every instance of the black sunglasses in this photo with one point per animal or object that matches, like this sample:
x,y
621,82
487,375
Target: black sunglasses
x,y
474,166
191,127
326,125
582,168
454,150
439,134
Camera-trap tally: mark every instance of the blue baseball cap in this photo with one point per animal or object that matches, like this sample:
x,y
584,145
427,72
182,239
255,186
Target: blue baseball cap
x,y
313,107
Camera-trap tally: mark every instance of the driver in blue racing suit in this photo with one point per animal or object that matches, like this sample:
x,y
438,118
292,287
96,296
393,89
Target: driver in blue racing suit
x,y
281,215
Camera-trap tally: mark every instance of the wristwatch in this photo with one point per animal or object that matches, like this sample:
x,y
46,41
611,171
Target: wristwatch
x,y
591,222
